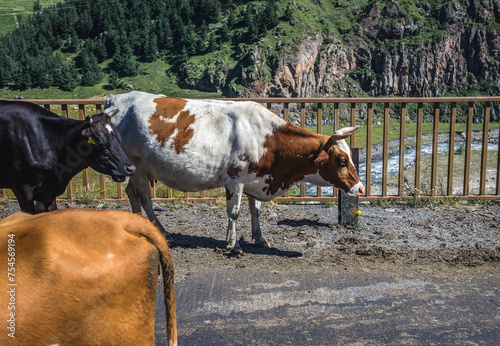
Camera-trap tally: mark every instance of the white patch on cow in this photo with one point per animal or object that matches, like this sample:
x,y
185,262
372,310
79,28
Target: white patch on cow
x,y
110,255
345,148
110,129
173,120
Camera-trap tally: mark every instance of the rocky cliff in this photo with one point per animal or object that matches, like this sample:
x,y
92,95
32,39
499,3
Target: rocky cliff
x,y
390,53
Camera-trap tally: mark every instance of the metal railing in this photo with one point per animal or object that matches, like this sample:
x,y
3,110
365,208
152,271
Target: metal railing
x,y
327,114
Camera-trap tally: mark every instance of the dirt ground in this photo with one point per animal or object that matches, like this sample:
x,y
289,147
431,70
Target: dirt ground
x,y
308,236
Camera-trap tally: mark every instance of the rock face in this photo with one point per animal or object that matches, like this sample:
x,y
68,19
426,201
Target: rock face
x,y
392,54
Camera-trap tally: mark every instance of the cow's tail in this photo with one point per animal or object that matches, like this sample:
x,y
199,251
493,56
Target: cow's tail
x,y
152,234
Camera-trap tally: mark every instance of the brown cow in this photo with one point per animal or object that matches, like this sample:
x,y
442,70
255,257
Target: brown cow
x,y
86,277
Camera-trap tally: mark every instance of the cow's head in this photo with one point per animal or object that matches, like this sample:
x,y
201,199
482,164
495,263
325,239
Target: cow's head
x,y
336,166
105,152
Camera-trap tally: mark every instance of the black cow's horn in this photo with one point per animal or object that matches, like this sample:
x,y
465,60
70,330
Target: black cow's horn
x,y
112,113
88,119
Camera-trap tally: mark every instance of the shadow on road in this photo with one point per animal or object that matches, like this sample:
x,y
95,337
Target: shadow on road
x,y
193,242
302,222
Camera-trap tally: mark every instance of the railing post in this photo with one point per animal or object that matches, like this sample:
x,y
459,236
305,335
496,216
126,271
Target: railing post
x,y
484,149
303,125
385,154
85,172
69,188
451,148
468,142
349,206
418,154
435,140
368,156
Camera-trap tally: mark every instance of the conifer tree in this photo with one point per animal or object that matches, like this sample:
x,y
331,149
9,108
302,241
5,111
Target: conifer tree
x,y
124,63
36,6
114,80
150,47
251,23
67,77
231,19
224,32
91,71
270,14
100,51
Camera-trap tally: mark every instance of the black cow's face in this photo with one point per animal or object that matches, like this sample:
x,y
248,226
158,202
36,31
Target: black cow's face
x,y
107,156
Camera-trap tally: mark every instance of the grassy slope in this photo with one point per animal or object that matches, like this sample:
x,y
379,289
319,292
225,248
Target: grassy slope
x,y
13,12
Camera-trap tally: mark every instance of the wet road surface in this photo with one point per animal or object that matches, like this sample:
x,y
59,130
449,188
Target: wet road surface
x,y
341,306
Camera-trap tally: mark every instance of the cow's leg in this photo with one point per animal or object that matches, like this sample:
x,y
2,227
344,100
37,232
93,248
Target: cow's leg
x,y
24,195
140,194
233,201
134,196
255,213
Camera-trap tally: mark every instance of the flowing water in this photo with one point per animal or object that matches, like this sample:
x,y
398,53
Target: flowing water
x,y
393,163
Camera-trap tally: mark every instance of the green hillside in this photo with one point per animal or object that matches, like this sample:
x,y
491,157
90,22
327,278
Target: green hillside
x,y
14,13
195,48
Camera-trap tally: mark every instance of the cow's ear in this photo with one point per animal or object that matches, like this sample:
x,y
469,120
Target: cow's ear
x,y
321,159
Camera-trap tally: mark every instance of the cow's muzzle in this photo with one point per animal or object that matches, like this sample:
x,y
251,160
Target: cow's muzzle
x,y
121,176
356,190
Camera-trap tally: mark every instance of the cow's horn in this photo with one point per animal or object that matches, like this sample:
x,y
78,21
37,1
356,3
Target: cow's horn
x,y
343,133
112,113
347,130
88,119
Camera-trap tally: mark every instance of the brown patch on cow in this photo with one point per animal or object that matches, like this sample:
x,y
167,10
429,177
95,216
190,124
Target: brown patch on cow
x,y
291,155
288,157
168,108
233,171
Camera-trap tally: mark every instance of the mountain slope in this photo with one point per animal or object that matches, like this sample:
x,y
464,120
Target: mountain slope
x,y
259,48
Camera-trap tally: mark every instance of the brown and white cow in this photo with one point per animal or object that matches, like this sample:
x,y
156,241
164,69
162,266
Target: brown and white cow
x,y
82,277
194,145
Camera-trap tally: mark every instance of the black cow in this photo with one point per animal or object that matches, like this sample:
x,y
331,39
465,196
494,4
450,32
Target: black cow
x,y
40,152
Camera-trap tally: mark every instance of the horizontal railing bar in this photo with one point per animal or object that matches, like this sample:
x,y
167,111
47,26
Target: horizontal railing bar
x,y
304,100
63,102
371,99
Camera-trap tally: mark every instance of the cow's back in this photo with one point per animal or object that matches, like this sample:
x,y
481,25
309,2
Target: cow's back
x,y
191,144
23,143
81,278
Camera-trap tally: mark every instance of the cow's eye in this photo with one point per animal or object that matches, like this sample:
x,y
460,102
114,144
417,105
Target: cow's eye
x,y
342,162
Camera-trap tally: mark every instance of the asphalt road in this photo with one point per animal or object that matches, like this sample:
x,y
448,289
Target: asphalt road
x,y
341,306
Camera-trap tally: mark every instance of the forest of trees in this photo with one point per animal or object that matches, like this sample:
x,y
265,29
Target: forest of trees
x,y
65,44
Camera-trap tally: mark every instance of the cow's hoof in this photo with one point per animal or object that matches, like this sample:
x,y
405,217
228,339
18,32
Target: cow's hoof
x,y
262,243
235,249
